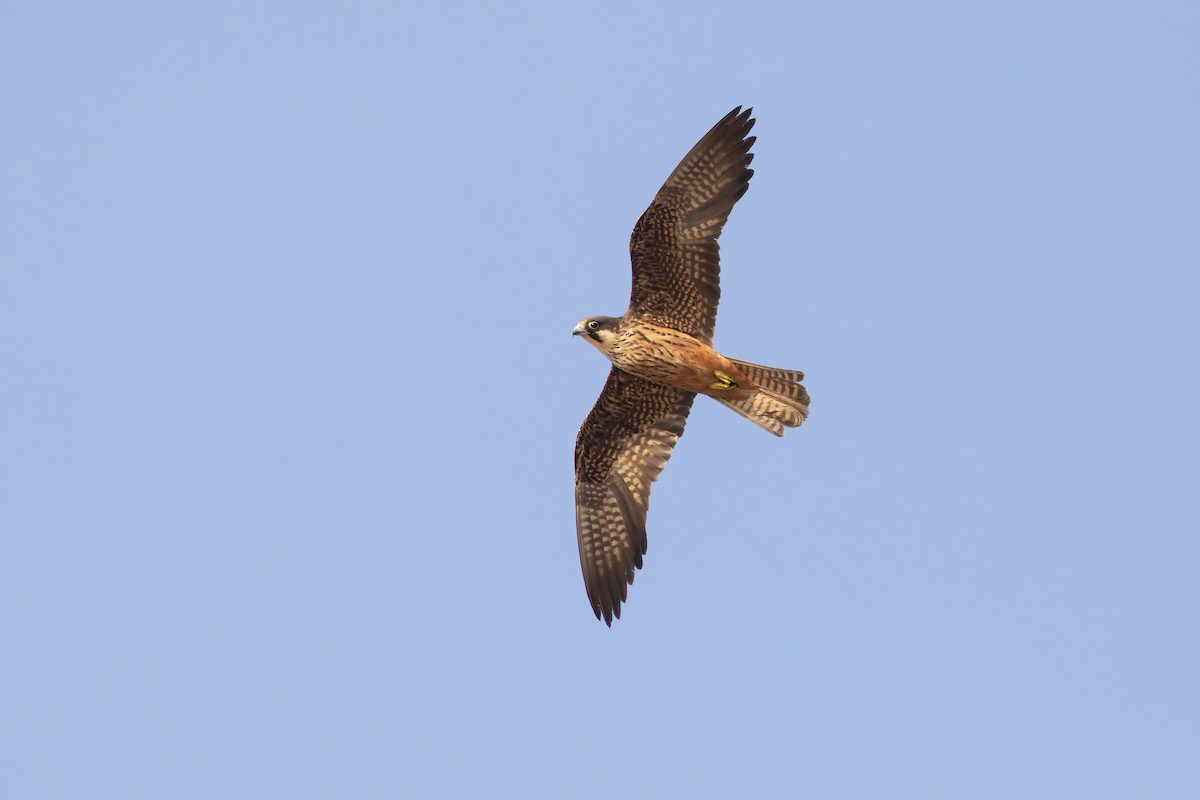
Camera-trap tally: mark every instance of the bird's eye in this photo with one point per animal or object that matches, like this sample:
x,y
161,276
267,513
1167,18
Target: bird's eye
x,y
593,325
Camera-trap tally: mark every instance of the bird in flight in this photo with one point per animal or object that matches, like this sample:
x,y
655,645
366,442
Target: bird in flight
x,y
662,357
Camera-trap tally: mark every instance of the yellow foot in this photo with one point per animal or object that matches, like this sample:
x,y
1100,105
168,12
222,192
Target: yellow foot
x,y
722,381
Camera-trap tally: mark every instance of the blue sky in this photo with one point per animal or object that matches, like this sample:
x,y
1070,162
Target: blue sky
x,y
290,398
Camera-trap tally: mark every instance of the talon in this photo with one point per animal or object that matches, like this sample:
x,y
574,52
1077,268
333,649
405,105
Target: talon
x,y
723,381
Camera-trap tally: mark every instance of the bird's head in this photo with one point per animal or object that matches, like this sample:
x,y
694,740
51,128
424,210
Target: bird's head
x,y
599,331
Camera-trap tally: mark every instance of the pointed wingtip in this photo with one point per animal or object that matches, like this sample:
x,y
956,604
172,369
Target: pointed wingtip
x,y
739,113
603,613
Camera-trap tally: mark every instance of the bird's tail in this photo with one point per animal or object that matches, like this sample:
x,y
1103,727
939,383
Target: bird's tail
x,y
780,400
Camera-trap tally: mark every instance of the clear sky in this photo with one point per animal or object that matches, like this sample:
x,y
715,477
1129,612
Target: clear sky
x,y
289,398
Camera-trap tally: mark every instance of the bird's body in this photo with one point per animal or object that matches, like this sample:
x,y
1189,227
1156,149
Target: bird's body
x,y
662,356
673,358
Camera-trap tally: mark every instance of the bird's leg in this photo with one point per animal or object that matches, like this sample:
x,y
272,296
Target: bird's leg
x,y
722,381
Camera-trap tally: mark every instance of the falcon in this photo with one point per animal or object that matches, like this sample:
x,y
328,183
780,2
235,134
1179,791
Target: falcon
x,y
662,357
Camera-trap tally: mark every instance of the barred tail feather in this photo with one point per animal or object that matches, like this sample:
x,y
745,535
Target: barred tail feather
x,y
764,375
780,402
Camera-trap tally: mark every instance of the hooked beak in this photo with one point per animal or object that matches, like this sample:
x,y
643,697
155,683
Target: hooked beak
x,y
579,330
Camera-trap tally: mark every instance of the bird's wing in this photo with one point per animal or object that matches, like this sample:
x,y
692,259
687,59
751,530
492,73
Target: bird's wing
x,y
676,258
621,449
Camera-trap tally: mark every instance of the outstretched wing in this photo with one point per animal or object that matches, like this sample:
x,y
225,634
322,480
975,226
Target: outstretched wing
x,y
621,448
676,259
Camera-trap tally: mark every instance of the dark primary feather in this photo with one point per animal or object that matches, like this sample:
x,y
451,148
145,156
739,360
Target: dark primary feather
x,y
674,250
621,449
